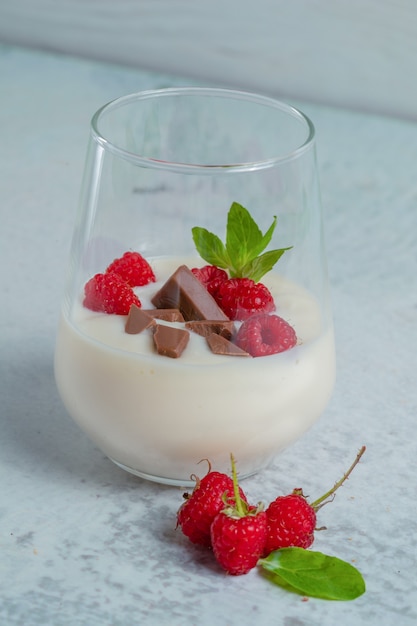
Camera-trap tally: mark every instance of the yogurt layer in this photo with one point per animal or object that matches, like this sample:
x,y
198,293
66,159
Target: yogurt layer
x,y
158,417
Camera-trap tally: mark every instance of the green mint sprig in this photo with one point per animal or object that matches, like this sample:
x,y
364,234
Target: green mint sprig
x,y
241,254
313,574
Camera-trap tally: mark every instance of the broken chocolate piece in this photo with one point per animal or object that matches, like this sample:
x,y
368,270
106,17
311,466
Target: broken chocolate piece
x,y
184,291
170,341
138,320
168,315
221,345
207,327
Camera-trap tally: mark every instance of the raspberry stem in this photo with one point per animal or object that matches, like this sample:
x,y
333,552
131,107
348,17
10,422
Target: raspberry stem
x,y
317,504
240,509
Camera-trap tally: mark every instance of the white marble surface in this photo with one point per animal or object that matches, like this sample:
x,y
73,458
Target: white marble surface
x,y
83,543
360,53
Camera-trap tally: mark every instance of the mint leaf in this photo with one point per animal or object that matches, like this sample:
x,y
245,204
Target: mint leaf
x,y
243,237
210,247
314,574
262,264
241,254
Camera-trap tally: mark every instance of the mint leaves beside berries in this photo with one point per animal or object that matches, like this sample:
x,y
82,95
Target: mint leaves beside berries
x,y
235,269
243,536
241,253
231,280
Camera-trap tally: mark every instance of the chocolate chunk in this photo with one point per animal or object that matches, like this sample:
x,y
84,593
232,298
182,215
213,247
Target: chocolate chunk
x,y
184,291
170,341
138,320
207,327
168,315
221,345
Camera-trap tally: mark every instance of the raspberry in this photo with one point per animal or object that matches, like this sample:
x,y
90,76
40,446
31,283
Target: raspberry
x,y
109,293
197,513
211,277
240,298
238,541
262,335
238,534
291,522
133,268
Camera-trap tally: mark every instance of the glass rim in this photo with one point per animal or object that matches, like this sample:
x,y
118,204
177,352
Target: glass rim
x,y
219,92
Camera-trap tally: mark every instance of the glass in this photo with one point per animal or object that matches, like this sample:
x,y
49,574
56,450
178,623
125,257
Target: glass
x,y
158,164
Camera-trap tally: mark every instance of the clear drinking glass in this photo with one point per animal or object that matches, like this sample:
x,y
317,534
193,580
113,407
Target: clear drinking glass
x,y
158,164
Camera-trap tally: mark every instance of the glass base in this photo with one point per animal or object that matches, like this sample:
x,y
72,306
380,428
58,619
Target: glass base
x,y
173,482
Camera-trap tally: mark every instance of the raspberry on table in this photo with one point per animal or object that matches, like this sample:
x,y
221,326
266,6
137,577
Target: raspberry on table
x,y
208,498
238,533
263,335
211,277
291,519
133,268
238,541
109,293
240,298
291,522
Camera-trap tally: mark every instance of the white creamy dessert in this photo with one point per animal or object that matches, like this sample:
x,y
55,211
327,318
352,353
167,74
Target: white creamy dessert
x,y
158,416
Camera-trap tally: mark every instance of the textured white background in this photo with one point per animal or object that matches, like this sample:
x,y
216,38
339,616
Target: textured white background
x,y
356,53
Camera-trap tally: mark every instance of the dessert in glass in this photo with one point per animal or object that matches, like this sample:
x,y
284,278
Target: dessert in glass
x,y
196,319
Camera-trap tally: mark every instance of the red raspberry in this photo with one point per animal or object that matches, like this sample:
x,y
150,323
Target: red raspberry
x,y
240,298
109,293
211,277
262,335
238,533
291,522
133,268
238,541
197,513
